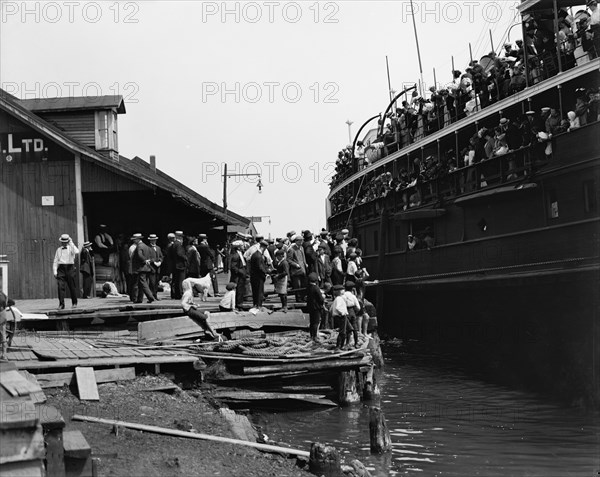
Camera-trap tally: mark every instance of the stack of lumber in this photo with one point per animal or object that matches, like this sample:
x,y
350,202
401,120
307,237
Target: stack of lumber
x,y
22,441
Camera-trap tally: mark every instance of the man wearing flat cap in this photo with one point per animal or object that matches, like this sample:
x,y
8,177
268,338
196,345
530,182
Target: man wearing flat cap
x,y
140,266
63,269
298,268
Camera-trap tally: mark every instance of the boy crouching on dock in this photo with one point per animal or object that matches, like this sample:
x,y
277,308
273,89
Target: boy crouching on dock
x,y
227,303
188,305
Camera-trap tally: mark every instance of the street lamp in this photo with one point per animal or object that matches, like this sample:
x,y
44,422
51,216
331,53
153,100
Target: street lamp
x,y
225,177
349,123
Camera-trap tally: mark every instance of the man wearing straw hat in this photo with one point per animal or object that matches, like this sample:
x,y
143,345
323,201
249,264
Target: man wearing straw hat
x,y
63,269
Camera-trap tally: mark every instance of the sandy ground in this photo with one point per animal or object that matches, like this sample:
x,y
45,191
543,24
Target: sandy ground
x,y
135,453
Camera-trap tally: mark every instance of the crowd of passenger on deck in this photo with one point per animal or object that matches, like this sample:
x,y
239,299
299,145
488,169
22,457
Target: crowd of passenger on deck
x,y
533,130
484,82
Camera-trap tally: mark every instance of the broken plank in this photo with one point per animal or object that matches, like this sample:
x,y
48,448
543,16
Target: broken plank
x,y
17,385
165,389
86,384
70,363
75,445
191,435
172,327
55,380
37,397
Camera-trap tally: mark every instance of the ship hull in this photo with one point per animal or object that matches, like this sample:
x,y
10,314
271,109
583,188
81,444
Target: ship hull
x,y
537,331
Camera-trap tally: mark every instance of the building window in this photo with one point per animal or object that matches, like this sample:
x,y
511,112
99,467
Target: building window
x,y
376,241
106,131
552,204
589,196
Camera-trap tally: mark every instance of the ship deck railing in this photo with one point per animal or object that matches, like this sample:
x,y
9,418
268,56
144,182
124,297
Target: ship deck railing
x,y
547,68
515,167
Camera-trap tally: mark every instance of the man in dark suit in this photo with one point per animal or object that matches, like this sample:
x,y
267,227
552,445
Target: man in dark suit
x,y
193,259
298,268
207,262
309,253
140,265
156,258
258,274
86,266
166,268
239,272
178,260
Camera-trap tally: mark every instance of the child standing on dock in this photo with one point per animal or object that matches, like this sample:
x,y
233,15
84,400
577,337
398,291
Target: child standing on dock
x,y
314,302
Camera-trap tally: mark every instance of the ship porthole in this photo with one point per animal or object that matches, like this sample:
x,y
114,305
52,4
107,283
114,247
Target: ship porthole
x,y
482,224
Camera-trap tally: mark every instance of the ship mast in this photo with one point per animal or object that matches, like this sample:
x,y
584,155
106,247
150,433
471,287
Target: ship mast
x,y
412,10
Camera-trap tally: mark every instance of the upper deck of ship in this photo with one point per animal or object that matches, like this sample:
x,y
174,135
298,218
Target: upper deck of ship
x,y
567,62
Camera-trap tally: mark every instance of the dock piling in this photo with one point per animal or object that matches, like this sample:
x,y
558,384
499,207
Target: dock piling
x,y
380,439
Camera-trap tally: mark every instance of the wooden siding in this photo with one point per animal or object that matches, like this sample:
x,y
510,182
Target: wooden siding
x,y
95,178
29,232
79,125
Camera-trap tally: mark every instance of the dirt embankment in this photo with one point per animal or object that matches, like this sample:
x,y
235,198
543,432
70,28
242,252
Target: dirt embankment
x,y
134,453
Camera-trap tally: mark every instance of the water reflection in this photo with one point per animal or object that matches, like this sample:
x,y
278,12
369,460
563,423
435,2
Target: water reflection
x,y
444,421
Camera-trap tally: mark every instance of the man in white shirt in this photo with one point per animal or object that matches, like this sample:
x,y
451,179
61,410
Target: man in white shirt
x,y
188,305
339,313
254,247
63,269
354,309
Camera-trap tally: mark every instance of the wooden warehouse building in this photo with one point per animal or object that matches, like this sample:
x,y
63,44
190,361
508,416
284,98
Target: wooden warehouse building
x,y
61,172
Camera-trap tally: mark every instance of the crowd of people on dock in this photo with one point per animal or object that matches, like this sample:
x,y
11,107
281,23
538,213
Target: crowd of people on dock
x,y
532,131
483,82
313,268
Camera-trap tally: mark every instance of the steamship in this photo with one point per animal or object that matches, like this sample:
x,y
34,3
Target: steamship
x,y
508,267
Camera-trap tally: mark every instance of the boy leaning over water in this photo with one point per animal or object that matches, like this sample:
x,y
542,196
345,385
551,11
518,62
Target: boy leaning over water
x,y
354,311
339,312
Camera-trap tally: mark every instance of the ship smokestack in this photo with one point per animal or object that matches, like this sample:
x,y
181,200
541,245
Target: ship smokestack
x,y
153,163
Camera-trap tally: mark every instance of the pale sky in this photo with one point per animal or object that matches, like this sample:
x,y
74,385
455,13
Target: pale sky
x,y
263,86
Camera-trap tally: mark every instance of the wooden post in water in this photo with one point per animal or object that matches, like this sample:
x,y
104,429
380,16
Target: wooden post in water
x,y
369,384
324,460
381,441
347,389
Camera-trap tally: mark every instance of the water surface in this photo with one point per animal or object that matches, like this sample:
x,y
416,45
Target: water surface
x,y
444,420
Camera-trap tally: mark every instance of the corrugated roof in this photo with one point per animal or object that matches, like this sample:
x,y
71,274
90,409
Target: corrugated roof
x,y
125,166
74,103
